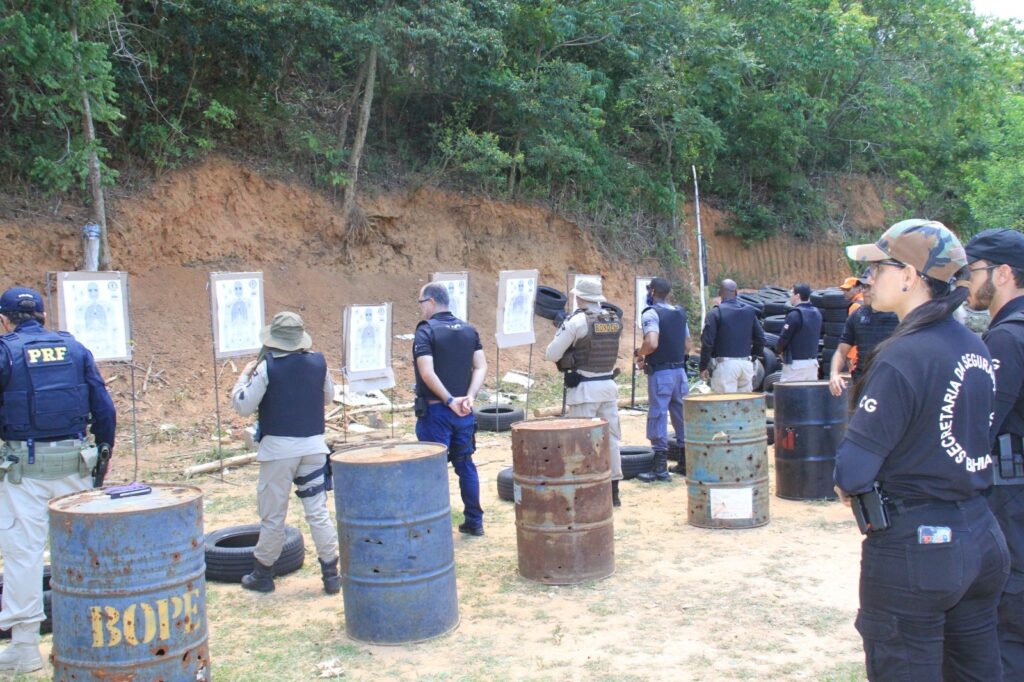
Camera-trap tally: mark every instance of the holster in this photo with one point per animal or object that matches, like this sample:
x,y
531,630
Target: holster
x,y
419,406
1009,468
567,362
87,462
869,510
572,379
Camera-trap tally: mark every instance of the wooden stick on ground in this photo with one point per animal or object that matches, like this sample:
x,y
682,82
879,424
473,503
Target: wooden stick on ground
x,y
237,460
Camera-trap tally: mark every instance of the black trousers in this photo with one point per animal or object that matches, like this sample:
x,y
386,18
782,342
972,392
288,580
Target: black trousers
x,y
1007,503
928,611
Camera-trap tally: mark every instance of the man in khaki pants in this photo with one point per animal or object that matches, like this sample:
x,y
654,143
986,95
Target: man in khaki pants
x,y
586,347
289,386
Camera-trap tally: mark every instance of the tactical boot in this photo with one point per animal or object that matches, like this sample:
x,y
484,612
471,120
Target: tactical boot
x,y
660,470
22,654
261,579
681,467
329,572
615,494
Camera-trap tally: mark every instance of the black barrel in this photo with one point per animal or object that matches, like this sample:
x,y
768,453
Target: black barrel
x,y
809,424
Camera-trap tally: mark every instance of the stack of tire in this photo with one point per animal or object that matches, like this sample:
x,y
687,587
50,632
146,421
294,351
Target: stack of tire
x,y
550,304
832,304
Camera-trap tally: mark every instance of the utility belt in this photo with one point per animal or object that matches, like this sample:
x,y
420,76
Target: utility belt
x,y
1009,464
573,379
323,487
651,369
46,460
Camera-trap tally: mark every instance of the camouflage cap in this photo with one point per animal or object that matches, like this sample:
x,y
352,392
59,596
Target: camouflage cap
x,y
928,245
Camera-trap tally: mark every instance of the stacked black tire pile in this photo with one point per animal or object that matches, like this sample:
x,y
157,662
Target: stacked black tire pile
x,y
832,304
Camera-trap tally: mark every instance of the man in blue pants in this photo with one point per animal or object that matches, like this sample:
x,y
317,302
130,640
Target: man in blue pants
x,y
662,356
450,369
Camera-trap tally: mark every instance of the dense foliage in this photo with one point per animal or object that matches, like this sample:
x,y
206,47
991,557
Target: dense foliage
x,y
599,106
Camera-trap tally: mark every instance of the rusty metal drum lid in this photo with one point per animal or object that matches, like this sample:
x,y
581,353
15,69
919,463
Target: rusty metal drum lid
x,y
558,424
98,502
723,397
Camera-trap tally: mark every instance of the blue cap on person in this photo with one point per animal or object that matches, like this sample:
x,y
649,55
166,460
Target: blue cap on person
x,y
21,300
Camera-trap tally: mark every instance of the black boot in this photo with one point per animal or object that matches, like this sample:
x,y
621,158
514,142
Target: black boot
x,y
615,494
681,467
261,579
660,470
329,572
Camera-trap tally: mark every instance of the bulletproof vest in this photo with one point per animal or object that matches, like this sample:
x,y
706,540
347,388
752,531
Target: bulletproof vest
x,y
671,335
874,328
46,397
735,330
599,349
454,345
294,402
803,345
1014,421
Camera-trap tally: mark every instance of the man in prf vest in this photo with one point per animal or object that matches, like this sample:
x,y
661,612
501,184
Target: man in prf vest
x,y
50,390
289,385
585,348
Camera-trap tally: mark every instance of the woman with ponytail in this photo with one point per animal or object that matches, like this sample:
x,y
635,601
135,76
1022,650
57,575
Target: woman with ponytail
x,y
933,567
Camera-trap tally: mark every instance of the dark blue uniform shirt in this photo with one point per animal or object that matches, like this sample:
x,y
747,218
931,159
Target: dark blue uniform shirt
x,y
1005,340
921,425
451,342
101,407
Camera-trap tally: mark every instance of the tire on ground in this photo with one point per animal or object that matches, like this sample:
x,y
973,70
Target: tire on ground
x,y
833,328
550,297
771,361
229,552
770,429
611,306
770,381
834,314
774,323
498,417
832,297
636,459
506,486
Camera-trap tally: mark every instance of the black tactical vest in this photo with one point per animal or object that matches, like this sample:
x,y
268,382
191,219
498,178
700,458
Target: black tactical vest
x,y
454,345
294,402
735,330
671,336
803,345
599,349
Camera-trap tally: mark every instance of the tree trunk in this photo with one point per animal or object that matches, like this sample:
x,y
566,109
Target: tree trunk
x,y
99,211
357,144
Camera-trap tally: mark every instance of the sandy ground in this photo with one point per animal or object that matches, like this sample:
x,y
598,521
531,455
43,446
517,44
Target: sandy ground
x,y
684,603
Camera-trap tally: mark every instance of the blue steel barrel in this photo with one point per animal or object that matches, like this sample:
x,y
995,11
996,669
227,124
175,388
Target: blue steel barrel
x,y
726,460
129,591
395,541
810,422
563,495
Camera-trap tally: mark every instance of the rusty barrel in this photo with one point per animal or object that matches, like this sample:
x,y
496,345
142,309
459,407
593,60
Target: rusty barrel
x,y
810,422
129,592
562,491
395,540
727,460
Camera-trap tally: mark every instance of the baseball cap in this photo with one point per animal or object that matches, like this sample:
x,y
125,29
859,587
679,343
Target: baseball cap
x,y
1001,246
21,300
928,245
850,282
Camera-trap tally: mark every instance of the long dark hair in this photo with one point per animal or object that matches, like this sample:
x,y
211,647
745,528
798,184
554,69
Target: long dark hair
x,y
945,299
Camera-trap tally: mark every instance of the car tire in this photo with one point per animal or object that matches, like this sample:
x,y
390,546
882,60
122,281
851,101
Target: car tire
x,y
498,417
833,328
769,381
506,485
614,308
774,323
771,361
770,430
545,312
829,298
229,552
551,298
636,459
834,315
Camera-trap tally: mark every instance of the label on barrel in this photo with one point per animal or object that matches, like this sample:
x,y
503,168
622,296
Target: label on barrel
x,y
732,503
517,493
144,622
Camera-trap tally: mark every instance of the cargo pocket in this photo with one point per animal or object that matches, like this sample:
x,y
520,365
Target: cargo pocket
x,y
936,568
885,654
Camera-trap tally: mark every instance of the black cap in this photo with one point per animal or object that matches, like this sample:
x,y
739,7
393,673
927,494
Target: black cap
x,y
999,246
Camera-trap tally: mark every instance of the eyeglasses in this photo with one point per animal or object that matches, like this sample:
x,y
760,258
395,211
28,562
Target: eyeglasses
x,y
424,300
873,268
982,268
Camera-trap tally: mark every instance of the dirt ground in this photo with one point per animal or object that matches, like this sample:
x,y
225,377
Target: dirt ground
x,y
685,603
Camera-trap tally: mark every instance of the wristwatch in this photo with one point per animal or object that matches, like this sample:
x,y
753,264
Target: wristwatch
x,y
451,399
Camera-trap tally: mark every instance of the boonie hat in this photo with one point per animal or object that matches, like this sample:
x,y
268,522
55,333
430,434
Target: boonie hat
x,y
1000,246
589,290
286,332
850,282
928,245
21,300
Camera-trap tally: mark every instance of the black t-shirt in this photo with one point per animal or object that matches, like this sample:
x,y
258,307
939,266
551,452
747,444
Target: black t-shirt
x,y
924,412
1005,340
